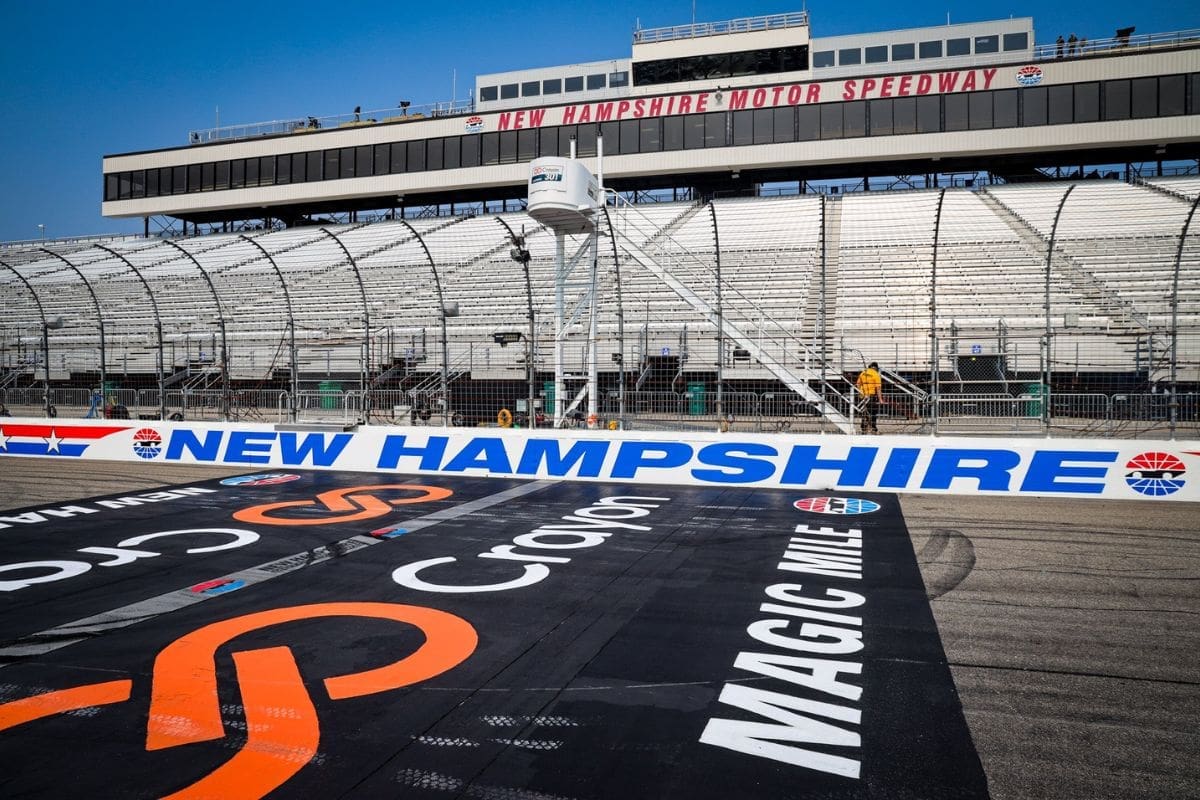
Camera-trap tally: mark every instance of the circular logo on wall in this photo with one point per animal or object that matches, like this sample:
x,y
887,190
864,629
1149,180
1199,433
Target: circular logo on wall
x,y
1029,76
836,505
1155,474
147,443
261,479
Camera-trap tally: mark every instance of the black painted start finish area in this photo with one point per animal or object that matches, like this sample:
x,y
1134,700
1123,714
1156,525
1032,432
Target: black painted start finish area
x,y
301,635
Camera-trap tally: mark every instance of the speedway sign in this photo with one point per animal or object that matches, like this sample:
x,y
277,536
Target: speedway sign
x,y
1132,469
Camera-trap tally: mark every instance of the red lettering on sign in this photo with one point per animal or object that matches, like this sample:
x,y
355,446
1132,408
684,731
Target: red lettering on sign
x,y
622,108
760,98
568,117
536,116
848,90
604,112
737,99
586,114
814,93
885,88
868,85
701,103
924,84
905,86
685,104
988,74
795,94
968,84
505,118
656,107
639,108
947,81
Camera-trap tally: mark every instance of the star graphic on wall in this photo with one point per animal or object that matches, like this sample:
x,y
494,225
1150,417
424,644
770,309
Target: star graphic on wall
x,y
3,440
52,442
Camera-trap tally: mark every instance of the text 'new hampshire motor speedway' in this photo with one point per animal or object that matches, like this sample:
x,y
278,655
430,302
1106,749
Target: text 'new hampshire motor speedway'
x,y
1055,471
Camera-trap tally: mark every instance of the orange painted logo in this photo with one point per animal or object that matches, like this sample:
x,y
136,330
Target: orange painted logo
x,y
281,721
351,504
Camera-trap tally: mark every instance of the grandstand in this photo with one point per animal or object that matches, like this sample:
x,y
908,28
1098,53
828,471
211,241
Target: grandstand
x,y
749,293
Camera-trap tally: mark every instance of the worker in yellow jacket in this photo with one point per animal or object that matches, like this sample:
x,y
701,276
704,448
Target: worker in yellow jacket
x,y
870,386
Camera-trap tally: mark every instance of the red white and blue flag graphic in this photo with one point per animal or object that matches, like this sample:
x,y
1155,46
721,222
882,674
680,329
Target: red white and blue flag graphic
x,y
52,440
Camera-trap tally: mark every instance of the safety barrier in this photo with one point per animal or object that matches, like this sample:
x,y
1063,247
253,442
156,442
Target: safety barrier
x,y
695,409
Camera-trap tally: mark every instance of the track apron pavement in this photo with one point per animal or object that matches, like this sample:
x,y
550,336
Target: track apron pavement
x,y
354,635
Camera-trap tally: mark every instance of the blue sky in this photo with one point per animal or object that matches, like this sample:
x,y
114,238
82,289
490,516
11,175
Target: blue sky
x,y
79,80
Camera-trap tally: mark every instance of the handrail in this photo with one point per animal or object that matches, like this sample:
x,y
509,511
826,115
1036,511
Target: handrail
x,y
1054,50
278,127
699,29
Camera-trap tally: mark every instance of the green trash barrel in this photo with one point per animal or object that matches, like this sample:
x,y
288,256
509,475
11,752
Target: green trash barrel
x,y
1035,395
695,398
329,391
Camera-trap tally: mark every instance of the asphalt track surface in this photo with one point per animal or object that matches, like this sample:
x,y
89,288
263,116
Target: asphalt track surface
x,y
1010,648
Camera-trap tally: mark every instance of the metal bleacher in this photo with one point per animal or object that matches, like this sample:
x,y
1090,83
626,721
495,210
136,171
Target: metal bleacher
x,y
850,278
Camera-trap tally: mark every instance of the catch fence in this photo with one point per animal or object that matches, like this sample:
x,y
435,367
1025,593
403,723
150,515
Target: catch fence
x,y
1061,308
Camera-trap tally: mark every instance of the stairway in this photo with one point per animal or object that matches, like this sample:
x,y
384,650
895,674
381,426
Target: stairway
x,y
797,381
822,287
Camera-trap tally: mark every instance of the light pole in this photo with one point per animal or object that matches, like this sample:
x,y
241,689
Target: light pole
x,y
42,232
47,326
448,310
519,254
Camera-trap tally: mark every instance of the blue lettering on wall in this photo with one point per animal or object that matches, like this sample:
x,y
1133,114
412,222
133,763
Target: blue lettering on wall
x,y
588,454
899,468
431,454
253,447
632,456
992,475
481,453
1047,467
183,439
852,469
747,468
295,451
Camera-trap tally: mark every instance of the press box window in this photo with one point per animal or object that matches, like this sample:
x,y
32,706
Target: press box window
x,y
1016,41
596,82
552,86
877,54
508,91
958,47
987,44
904,52
531,88
931,49
823,58
574,84
616,79
849,56
488,93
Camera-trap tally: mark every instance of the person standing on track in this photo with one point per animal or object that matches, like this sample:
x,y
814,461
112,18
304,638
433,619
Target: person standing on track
x,y
870,386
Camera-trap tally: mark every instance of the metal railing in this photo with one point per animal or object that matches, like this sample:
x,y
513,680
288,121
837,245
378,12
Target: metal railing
x,y
1075,414
699,29
299,125
1084,47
